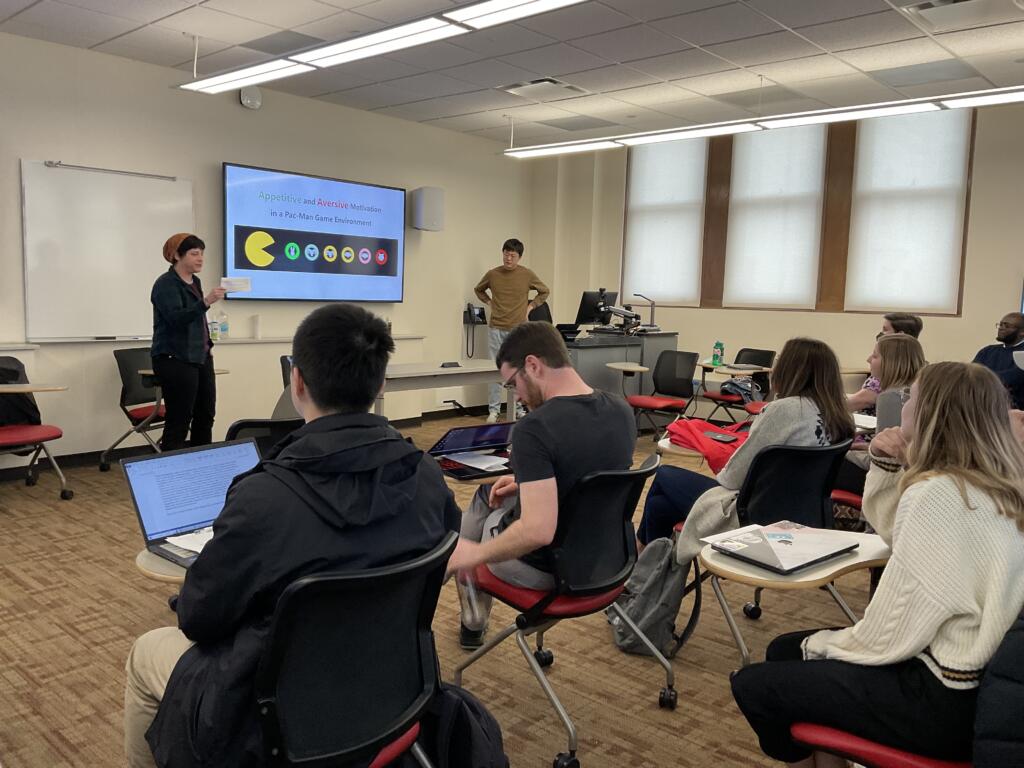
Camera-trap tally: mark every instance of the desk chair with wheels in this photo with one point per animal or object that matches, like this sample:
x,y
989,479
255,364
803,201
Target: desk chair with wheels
x,y
350,665
998,739
140,399
591,556
266,432
286,370
746,356
673,387
541,313
30,439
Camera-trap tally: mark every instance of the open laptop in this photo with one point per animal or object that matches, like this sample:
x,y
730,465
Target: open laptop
x,y
178,494
784,547
472,453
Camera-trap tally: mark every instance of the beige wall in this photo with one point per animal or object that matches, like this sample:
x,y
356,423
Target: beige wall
x,y
88,108
582,213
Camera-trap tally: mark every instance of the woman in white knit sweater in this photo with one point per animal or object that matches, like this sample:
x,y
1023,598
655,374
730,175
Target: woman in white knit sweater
x,y
946,490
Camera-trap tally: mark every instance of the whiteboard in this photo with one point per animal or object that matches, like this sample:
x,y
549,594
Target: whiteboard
x,y
93,249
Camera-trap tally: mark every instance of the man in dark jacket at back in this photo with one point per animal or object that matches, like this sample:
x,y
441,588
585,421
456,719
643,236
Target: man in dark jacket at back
x,y
343,492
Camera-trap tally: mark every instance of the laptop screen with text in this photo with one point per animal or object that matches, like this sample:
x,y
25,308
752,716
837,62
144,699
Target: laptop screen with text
x,y
181,491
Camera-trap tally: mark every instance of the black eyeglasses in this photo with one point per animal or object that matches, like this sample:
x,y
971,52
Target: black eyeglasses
x,y
510,382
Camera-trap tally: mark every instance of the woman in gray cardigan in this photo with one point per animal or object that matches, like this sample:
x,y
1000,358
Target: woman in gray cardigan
x,y
809,409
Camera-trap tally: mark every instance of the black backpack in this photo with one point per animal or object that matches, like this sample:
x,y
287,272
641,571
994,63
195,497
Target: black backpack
x,y
457,731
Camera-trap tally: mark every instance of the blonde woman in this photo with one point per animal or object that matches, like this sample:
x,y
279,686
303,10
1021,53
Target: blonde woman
x,y
946,490
893,363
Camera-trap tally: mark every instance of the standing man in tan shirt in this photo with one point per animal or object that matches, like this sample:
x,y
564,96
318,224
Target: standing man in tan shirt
x,y
509,299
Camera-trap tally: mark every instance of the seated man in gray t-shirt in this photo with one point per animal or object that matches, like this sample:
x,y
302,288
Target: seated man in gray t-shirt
x,y
571,431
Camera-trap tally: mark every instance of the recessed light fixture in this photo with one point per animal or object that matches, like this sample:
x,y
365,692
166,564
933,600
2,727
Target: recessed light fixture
x,y
694,133
561,149
495,12
261,73
385,41
838,116
983,99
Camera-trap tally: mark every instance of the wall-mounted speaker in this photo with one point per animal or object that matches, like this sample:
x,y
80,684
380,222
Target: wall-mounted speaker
x,y
428,208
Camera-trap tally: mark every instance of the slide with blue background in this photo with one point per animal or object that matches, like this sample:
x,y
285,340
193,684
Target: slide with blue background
x,y
303,237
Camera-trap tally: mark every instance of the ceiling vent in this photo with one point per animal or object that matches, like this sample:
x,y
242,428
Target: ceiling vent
x,y
947,15
545,89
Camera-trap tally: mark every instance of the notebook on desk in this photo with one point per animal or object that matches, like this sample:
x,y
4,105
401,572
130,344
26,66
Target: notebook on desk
x,y
178,494
783,547
472,453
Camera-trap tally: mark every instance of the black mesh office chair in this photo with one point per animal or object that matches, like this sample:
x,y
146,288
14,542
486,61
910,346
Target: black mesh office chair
x,y
592,554
286,370
673,387
350,664
543,312
266,432
746,356
141,400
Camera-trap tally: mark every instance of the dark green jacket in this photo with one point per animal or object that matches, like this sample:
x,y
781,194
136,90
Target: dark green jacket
x,y
179,318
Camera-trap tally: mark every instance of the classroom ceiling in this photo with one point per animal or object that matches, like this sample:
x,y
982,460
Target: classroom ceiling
x,y
627,65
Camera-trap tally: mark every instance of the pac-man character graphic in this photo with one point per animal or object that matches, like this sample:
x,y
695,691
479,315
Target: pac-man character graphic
x,y
365,256
256,245
348,255
330,253
382,257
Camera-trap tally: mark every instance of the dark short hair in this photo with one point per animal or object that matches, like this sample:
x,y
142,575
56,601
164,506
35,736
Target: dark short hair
x,y
904,322
1017,317
189,243
535,338
342,351
513,245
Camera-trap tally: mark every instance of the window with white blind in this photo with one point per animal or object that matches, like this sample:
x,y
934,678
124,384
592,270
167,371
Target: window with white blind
x,y
906,225
773,242
665,222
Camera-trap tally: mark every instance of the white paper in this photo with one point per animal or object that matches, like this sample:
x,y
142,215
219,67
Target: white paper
x,y
481,460
194,541
235,284
863,421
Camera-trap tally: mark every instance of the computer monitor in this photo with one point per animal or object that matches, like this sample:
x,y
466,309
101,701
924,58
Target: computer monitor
x,y
588,313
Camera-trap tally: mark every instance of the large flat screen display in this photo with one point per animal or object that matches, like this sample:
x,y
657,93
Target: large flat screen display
x,y
311,238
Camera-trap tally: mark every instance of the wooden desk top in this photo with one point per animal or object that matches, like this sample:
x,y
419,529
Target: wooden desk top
x,y
413,370
157,568
628,367
26,389
665,445
872,553
727,370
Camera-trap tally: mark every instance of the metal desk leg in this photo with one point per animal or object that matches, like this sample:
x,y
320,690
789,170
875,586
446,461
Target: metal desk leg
x,y
742,646
844,607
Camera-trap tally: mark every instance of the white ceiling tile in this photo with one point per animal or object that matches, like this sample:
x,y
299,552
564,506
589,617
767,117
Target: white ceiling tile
x,y
157,45
284,15
718,25
340,26
703,110
450,106
491,73
637,42
370,96
430,85
1003,69
556,60
318,83
689,63
397,11
776,46
608,79
207,22
10,7
845,91
979,42
948,87
527,133
507,38
577,21
378,69
66,24
722,82
903,54
344,4
534,112
652,95
137,10
435,55
595,106
802,13
474,122
787,107
227,59
809,68
863,31
647,10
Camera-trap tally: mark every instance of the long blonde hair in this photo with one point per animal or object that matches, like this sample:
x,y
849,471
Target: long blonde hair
x,y
809,368
902,359
962,429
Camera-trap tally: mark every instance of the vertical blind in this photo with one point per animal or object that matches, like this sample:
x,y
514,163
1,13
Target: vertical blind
x,y
665,221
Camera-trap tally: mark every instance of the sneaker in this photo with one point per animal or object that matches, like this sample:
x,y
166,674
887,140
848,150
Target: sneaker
x,y
492,418
470,639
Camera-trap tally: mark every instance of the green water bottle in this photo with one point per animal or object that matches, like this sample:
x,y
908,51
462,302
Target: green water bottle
x,y
718,353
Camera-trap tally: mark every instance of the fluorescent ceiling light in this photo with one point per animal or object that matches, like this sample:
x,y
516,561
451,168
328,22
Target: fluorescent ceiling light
x,y
495,12
261,73
695,133
983,100
851,114
405,36
561,149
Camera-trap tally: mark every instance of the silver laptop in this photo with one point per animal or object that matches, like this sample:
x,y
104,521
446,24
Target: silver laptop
x,y
785,547
176,493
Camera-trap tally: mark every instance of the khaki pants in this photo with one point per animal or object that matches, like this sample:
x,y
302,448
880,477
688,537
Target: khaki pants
x,y
150,663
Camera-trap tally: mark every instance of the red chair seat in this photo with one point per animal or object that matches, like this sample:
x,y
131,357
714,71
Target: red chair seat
x,y
861,750
847,498
720,397
755,407
27,434
140,414
656,403
522,599
396,748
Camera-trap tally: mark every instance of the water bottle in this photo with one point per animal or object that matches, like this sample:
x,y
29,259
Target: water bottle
x,y
222,322
214,327
718,353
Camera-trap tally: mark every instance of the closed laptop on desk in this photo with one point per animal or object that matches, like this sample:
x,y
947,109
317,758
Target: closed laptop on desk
x,y
181,493
784,547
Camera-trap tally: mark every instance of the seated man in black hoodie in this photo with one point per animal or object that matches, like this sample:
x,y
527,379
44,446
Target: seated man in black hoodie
x,y
343,492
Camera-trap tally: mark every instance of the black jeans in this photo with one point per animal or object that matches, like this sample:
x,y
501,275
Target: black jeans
x,y
190,399
669,501
900,705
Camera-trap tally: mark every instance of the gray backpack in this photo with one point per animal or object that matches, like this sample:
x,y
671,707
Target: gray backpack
x,y
652,597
